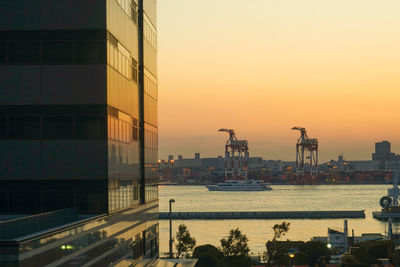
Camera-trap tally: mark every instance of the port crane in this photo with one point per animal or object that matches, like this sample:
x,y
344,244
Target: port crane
x,y
305,146
236,156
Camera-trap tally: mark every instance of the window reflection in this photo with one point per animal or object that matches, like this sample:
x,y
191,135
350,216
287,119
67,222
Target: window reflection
x,y
3,128
57,51
121,130
57,127
25,127
3,52
92,239
24,52
90,127
90,52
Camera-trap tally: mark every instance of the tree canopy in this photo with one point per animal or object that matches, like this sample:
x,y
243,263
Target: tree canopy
x,y
185,243
235,244
313,253
279,230
208,256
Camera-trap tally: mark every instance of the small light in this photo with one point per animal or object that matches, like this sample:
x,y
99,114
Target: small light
x,y
291,255
329,245
63,247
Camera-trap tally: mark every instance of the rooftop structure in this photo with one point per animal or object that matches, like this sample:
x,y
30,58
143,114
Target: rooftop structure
x,y
383,151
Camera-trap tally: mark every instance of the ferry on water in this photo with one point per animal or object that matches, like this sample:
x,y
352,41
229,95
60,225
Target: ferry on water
x,y
240,185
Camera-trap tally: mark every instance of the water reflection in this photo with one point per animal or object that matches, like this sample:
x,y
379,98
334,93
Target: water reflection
x,y
282,198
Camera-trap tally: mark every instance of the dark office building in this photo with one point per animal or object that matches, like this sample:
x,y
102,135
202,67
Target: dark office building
x,y
383,151
78,132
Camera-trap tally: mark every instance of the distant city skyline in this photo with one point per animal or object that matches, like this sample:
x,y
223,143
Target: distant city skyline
x,y
262,68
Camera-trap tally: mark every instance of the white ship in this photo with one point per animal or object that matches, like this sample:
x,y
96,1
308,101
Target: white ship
x,y
236,165
240,185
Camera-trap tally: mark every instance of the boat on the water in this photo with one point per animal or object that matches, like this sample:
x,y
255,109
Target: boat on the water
x,y
240,185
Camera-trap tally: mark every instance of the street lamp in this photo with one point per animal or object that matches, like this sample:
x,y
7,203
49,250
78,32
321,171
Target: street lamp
x,y
170,227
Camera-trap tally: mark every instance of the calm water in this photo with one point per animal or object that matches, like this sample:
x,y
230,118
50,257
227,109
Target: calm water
x,y
282,198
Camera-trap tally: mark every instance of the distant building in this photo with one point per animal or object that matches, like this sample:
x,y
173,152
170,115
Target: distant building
x,y
361,165
382,151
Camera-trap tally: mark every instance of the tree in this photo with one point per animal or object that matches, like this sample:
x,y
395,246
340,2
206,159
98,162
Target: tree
x,y
185,243
235,249
313,253
235,244
272,248
208,256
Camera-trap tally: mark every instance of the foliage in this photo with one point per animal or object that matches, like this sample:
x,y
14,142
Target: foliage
x,y
235,249
235,244
185,243
208,256
280,256
369,252
313,253
272,249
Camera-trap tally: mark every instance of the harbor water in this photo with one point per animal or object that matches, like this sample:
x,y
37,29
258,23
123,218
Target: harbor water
x,y
281,198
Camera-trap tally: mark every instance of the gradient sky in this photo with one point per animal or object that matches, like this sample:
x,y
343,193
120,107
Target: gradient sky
x,y
264,66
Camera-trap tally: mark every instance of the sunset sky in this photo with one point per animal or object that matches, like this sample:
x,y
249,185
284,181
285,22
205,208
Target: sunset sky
x,y
264,66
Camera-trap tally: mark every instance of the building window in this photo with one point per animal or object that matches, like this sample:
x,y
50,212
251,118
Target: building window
x,y
57,127
90,127
24,52
3,128
134,15
135,130
134,70
3,52
25,128
90,52
150,87
57,51
149,34
129,7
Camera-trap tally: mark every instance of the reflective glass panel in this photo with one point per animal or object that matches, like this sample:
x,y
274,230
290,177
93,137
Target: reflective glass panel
x,y
3,52
25,127
90,127
90,51
57,127
24,52
3,128
57,51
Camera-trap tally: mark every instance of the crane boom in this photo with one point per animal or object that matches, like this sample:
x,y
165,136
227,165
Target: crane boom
x,y
310,146
236,154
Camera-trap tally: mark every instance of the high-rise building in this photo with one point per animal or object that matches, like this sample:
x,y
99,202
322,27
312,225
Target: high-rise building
x,y
382,151
78,131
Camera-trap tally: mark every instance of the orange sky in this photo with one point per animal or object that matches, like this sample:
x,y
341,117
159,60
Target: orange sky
x,y
264,66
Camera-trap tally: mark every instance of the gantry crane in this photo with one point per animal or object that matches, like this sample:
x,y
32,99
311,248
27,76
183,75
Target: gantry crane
x,y
236,156
306,145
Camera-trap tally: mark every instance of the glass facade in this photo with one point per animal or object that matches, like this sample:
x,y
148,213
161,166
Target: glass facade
x,y
123,126
69,127
97,241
